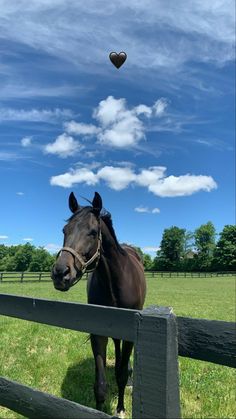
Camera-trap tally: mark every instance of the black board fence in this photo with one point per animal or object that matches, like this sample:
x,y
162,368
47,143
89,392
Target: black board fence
x,y
158,335
7,277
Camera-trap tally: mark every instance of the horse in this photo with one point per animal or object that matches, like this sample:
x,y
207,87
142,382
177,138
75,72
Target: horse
x,y
116,279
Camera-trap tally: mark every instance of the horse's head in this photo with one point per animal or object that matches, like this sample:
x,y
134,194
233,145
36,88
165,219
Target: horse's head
x,y
82,242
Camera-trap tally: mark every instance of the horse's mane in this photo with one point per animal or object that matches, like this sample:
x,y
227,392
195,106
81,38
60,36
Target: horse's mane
x,y
106,217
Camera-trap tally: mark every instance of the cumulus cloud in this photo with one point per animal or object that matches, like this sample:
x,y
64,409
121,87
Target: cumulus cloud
x,y
153,178
73,177
26,141
28,239
116,178
64,146
118,126
182,185
3,237
20,193
79,128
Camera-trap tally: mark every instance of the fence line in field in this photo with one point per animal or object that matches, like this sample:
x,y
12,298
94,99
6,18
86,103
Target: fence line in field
x,y
46,276
171,274
158,335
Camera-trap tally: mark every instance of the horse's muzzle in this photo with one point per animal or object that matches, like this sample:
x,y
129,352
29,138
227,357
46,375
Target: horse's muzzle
x,y
63,279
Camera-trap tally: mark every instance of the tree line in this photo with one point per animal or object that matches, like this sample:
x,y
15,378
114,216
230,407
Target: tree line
x,y
186,251
180,250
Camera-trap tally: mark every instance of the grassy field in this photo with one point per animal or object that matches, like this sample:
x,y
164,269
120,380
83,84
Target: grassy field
x,y
60,361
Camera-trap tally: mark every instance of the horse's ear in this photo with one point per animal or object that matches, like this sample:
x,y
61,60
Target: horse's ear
x,y
97,202
73,204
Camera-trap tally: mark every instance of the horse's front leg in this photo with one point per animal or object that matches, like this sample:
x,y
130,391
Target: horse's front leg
x,y
123,375
99,345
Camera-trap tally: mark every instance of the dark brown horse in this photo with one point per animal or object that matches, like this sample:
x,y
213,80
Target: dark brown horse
x,y
117,280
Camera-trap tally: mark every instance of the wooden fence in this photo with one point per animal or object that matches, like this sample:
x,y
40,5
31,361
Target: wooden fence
x,y
170,274
46,276
25,277
158,336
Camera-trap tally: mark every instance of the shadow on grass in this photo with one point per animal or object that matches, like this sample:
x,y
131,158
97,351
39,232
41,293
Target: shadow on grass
x,y
78,383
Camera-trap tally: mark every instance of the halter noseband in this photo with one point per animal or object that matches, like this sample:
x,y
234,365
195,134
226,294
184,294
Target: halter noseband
x,y
84,264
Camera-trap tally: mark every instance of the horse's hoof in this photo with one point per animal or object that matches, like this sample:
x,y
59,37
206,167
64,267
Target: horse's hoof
x,y
120,414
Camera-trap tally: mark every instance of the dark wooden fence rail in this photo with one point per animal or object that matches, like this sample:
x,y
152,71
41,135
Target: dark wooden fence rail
x,y
171,274
158,339
46,276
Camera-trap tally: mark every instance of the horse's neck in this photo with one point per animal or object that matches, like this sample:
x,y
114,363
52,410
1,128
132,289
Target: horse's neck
x,y
111,263
112,256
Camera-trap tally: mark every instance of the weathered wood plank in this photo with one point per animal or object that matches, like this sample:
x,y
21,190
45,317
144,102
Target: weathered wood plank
x,y
100,320
207,340
36,404
156,378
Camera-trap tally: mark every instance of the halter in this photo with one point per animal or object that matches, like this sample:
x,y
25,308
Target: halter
x,y
84,264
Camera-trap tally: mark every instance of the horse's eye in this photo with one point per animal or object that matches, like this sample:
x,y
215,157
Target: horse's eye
x,y
93,233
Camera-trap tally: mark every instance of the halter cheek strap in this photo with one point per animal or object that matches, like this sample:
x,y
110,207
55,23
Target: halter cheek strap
x,y
84,264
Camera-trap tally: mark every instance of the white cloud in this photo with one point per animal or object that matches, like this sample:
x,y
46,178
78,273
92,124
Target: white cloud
x,y
143,109
117,178
20,193
64,146
8,156
170,34
2,237
159,106
150,176
73,177
121,127
34,115
141,209
182,185
118,126
21,89
28,239
156,211
147,210
153,178
77,128
26,141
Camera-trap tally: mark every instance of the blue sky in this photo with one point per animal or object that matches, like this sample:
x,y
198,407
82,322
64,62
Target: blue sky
x,y
155,138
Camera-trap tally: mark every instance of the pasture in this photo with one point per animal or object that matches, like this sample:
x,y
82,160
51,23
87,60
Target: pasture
x,y
60,361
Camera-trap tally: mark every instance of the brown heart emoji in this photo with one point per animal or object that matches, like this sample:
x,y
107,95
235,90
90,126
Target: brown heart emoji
x,y
118,59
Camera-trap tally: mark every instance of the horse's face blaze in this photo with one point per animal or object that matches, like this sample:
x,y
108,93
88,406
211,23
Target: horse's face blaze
x,y
81,235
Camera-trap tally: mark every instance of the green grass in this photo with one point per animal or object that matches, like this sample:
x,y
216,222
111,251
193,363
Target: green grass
x,y
60,361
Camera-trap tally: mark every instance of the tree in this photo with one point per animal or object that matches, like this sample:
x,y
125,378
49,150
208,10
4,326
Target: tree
x,y
205,244
41,261
225,250
147,262
171,248
23,257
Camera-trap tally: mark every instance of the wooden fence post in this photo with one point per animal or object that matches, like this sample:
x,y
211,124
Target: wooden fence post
x,y
156,378
22,277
